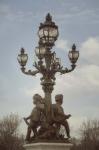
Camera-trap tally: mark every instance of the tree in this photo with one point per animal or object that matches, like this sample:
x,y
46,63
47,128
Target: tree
x,y
9,134
89,136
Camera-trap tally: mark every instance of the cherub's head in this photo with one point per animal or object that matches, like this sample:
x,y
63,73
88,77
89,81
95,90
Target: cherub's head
x,y
59,98
37,99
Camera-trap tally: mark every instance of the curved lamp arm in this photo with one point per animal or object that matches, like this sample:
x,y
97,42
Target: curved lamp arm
x,y
29,72
66,70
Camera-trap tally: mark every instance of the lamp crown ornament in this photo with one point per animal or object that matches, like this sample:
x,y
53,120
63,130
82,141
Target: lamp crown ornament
x,y
74,47
48,64
48,18
22,50
48,32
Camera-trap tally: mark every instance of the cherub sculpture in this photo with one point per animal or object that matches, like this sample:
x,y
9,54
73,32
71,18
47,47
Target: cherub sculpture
x,y
35,116
59,118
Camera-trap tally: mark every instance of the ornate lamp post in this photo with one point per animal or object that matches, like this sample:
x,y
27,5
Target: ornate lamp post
x,y
48,64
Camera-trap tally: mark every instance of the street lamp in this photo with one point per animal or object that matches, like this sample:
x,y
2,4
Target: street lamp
x,y
40,51
48,64
22,58
48,32
73,54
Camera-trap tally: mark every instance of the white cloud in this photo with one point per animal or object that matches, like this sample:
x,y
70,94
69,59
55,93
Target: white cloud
x,y
82,82
90,73
90,50
62,44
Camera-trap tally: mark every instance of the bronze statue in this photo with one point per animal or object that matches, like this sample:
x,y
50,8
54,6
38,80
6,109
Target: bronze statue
x,y
34,117
58,115
38,119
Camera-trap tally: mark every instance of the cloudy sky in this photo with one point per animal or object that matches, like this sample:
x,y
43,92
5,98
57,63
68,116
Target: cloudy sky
x,y
78,22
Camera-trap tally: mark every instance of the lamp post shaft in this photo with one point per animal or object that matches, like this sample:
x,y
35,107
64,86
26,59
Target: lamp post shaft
x,y
47,86
48,109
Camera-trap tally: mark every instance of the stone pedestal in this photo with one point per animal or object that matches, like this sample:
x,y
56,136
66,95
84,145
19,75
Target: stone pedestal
x,y
48,146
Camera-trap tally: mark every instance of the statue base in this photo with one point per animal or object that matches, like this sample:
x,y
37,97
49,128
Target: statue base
x,y
48,146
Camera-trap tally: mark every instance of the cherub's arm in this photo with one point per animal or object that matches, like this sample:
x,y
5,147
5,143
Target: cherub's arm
x,y
28,117
68,116
25,119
